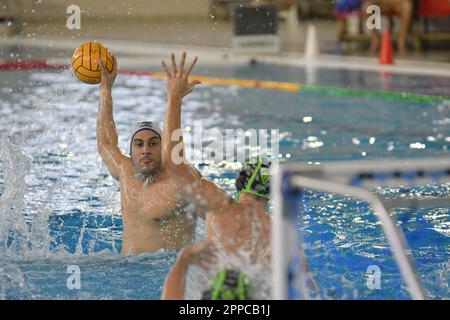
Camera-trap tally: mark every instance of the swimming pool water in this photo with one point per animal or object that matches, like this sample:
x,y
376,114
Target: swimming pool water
x,y
59,207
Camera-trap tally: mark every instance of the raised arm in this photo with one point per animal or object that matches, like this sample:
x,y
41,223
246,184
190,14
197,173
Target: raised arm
x,y
212,198
178,86
204,194
107,139
175,283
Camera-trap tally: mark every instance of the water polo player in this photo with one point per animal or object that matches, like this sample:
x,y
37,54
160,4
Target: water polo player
x,y
238,239
153,210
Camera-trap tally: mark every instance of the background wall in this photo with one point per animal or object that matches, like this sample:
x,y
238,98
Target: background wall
x,y
130,9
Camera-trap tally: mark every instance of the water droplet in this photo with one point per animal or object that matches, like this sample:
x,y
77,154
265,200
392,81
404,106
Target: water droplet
x,y
417,145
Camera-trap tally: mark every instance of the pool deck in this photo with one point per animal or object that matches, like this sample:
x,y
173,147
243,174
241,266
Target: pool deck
x,y
140,44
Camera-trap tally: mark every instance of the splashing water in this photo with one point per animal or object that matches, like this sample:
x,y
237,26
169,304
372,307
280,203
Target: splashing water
x,y
59,207
15,233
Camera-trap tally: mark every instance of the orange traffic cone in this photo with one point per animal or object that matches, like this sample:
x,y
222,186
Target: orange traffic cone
x,y
386,52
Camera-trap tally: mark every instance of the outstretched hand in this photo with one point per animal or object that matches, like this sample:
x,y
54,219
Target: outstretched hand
x,y
178,84
108,78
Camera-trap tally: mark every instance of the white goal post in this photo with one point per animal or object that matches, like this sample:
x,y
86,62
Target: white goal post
x,y
355,179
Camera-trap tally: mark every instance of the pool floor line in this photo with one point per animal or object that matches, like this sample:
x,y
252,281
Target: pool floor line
x,y
247,83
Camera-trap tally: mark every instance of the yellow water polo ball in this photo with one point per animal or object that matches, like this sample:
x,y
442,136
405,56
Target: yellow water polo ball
x,y
85,61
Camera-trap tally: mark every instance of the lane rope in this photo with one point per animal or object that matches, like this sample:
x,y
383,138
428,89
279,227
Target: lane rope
x,y
273,85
